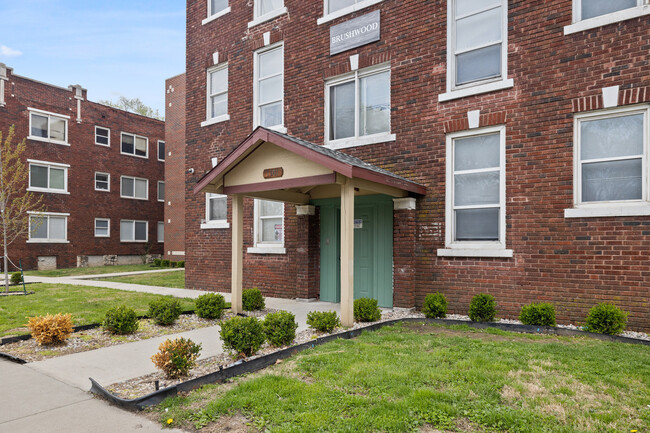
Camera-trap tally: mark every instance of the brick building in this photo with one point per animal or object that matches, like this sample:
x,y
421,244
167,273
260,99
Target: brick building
x,y
502,147
100,171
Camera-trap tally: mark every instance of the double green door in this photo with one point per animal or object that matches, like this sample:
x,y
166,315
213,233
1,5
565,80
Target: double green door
x,y
373,249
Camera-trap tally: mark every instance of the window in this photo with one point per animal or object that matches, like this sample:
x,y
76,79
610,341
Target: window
x,y
269,222
48,177
269,88
161,231
216,6
589,14
332,6
133,231
134,145
358,108
48,227
102,181
50,127
161,191
217,95
134,187
102,227
161,150
216,212
102,136
266,10
475,199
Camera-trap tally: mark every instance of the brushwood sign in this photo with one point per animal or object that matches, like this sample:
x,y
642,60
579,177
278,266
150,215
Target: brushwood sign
x,y
354,33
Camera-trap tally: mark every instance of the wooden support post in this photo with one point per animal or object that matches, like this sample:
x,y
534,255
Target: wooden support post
x,y
237,253
347,252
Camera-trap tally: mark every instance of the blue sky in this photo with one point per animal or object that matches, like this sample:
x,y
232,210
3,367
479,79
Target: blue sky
x,y
111,47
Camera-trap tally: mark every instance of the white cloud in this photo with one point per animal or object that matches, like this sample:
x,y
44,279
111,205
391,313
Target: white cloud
x,y
5,51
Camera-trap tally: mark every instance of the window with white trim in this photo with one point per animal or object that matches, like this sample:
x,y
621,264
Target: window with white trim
x,y
269,87
102,227
268,7
216,211
585,9
216,6
269,223
102,136
102,181
134,231
135,145
134,187
48,177
217,107
161,191
358,108
333,9
161,231
161,150
45,126
48,227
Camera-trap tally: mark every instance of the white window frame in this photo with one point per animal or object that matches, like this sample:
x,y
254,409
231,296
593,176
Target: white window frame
x,y
208,96
475,248
265,247
616,207
49,165
133,231
207,223
357,140
158,231
213,15
31,240
480,86
49,115
122,134
360,4
108,180
259,19
158,191
134,179
256,109
108,235
158,150
108,136
578,24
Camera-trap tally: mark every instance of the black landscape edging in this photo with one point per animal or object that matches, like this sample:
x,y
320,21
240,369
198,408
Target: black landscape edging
x,y
244,367
12,358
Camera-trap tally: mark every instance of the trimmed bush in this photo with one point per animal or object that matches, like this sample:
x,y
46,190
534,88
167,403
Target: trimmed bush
x,y
50,329
252,299
181,263
541,314
323,321
606,318
482,308
157,262
164,311
366,310
435,305
121,320
244,335
16,278
176,357
280,328
165,263
173,264
210,306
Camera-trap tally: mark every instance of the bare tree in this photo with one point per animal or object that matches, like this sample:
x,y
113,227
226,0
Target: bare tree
x,y
15,200
134,105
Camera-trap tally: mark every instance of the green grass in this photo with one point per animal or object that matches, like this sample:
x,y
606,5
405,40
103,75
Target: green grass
x,y
86,304
400,378
163,279
90,271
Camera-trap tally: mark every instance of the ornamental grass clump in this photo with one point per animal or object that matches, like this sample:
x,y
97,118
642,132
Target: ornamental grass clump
x,y
165,311
435,306
252,299
50,329
366,310
176,357
244,335
280,328
121,320
606,318
210,306
482,308
540,314
323,321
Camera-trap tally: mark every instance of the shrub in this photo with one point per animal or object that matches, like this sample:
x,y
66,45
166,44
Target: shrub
x,y
435,305
323,321
157,262
606,318
121,320
366,310
176,357
252,299
482,308
280,328
165,311
542,314
50,329
244,335
210,306
165,263
173,264
16,278
181,263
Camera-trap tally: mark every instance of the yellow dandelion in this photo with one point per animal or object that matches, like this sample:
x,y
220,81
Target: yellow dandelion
x,y
170,420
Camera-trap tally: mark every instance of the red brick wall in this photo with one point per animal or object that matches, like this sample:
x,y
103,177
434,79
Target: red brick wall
x,y
571,262
84,157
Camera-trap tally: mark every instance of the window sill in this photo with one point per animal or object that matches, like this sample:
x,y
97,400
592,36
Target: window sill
x,y
347,10
133,242
477,90
103,236
215,16
278,128
266,250
102,145
215,225
475,252
608,211
47,140
48,191
267,17
161,160
134,198
361,141
135,156
604,20
103,190
46,241
214,120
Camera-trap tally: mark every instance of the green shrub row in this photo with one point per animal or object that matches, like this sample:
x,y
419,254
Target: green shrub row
x,y
165,263
245,335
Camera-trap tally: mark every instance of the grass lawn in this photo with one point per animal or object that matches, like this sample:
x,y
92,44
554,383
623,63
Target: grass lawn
x,y
90,271
164,279
415,377
86,304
